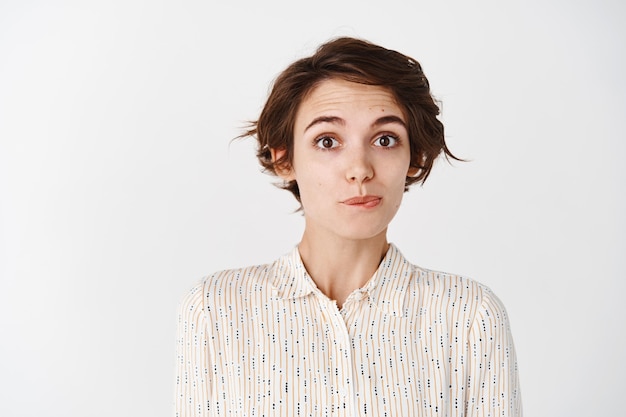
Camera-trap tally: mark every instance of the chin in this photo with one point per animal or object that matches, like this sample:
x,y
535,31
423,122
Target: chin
x,y
363,233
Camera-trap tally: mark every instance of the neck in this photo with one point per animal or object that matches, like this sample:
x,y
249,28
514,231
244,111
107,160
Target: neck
x,y
340,266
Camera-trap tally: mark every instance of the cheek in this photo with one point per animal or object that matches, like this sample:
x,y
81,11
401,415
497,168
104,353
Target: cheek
x,y
397,174
399,184
313,174
312,183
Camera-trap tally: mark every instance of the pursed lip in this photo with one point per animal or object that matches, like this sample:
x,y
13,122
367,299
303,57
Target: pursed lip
x,y
365,200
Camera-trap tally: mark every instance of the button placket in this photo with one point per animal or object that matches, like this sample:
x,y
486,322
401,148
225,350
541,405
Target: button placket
x,y
343,356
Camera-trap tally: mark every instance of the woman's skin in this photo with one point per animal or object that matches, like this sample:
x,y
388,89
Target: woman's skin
x,y
351,158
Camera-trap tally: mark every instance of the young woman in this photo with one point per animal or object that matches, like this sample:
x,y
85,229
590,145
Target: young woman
x,y
344,325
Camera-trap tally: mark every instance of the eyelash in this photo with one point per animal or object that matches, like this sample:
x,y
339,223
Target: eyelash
x,y
388,135
317,142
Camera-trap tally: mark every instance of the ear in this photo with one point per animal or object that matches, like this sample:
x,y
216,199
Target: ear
x,y
284,171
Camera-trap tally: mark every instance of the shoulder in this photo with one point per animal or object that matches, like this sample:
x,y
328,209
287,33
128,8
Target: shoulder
x,y
230,286
455,294
448,285
238,279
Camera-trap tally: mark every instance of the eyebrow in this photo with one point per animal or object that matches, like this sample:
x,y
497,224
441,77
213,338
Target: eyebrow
x,y
338,120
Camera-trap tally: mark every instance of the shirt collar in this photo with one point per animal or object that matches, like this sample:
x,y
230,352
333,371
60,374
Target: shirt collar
x,y
386,290
290,279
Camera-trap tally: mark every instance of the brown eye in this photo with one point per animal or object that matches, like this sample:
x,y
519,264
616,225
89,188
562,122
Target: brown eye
x,y
327,142
386,141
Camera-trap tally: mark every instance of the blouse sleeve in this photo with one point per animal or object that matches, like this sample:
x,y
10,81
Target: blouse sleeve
x,y
193,381
493,384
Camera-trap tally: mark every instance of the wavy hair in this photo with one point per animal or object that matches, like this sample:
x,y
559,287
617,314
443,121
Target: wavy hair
x,y
358,61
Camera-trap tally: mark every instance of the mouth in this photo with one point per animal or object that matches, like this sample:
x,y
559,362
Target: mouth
x,y
367,201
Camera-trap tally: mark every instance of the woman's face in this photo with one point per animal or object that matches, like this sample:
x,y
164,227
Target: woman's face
x,y
351,158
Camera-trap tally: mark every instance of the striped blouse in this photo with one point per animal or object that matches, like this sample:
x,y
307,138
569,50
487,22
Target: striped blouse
x,y
265,341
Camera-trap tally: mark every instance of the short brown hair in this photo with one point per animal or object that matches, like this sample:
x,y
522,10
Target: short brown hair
x,y
361,62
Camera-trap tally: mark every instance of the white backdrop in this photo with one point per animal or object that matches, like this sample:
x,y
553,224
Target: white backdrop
x,y
119,187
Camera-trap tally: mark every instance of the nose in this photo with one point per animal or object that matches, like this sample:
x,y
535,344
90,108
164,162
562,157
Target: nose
x,y
359,168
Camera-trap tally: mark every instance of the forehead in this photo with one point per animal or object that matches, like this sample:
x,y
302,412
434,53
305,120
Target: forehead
x,y
342,98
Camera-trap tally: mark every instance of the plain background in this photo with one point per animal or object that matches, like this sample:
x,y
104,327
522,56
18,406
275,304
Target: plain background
x,y
120,187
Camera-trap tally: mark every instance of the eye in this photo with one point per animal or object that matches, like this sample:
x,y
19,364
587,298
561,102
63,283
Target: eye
x,y
326,142
386,141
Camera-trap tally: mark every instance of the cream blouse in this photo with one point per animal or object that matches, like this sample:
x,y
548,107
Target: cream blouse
x,y
265,341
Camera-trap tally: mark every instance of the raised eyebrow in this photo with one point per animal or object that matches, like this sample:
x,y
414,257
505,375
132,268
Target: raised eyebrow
x,y
387,120
325,119
338,120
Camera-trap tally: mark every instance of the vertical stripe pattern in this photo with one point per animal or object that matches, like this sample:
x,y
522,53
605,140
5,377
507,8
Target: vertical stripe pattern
x,y
264,341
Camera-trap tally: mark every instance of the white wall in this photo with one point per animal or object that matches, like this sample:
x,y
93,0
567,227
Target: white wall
x,y
119,187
